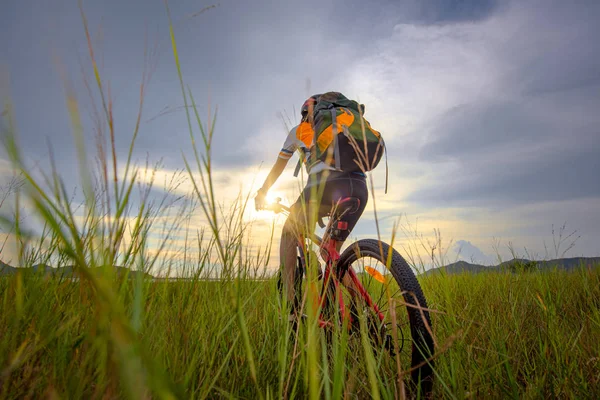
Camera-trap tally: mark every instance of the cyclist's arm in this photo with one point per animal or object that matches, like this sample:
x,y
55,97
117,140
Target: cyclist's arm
x,y
289,146
275,173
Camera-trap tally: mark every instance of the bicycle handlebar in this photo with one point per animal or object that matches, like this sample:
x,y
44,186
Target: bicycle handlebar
x,y
277,207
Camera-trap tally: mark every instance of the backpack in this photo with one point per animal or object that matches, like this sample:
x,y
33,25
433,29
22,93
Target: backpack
x,y
342,137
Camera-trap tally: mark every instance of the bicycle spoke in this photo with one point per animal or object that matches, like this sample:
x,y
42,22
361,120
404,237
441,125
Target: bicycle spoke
x,y
368,269
383,287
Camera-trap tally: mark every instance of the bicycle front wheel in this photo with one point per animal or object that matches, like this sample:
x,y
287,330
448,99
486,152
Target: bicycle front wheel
x,y
394,290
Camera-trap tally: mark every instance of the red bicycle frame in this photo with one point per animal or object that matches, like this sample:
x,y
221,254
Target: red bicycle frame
x,y
328,245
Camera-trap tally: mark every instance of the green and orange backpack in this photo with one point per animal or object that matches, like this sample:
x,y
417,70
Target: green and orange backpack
x,y
341,136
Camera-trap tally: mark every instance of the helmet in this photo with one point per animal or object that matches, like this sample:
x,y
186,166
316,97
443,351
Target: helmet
x,y
309,104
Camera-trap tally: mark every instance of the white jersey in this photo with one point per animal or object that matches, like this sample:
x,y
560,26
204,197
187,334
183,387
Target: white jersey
x,y
300,139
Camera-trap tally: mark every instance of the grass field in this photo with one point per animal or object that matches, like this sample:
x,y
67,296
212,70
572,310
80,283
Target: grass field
x,y
499,335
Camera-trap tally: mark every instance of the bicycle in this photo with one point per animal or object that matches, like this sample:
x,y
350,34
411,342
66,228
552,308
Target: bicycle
x,y
341,283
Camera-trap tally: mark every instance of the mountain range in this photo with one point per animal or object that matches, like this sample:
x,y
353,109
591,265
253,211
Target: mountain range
x,y
519,264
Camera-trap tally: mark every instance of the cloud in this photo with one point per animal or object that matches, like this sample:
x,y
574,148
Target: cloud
x,y
487,107
251,59
467,251
10,251
467,130
452,11
500,111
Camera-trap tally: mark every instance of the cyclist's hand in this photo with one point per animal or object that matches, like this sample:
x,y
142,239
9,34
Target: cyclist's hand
x,y
260,200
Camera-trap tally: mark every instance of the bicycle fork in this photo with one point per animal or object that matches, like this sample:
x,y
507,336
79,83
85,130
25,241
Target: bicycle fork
x,y
332,259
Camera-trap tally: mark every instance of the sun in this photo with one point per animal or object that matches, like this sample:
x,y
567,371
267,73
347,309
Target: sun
x,y
273,196
266,215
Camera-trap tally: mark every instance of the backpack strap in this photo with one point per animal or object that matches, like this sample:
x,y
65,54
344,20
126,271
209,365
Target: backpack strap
x,y
334,131
313,147
299,165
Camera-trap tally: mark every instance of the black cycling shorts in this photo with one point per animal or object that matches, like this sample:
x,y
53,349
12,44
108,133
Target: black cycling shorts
x,y
337,186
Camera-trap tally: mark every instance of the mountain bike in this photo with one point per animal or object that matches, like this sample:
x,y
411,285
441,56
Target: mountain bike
x,y
369,280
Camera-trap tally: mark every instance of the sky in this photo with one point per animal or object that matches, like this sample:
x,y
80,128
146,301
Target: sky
x,y
489,109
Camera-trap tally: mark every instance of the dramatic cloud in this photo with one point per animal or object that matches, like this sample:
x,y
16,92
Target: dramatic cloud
x,y
536,136
488,108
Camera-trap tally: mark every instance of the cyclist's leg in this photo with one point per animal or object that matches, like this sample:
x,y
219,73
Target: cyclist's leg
x,y
339,188
291,234
293,230
347,186
287,257
295,226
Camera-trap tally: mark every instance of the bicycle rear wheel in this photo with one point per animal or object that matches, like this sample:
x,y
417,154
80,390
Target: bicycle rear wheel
x,y
395,285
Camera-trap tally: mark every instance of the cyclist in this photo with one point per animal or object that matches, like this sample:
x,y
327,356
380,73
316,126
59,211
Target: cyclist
x,y
333,184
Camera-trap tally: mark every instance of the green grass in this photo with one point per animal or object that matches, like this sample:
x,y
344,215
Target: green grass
x,y
501,335
532,335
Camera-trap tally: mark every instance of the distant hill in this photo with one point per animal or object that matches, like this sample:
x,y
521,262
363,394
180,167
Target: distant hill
x,y
6,270
571,263
518,264
459,267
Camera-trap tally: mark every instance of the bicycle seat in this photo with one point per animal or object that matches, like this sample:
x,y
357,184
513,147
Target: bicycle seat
x,y
347,205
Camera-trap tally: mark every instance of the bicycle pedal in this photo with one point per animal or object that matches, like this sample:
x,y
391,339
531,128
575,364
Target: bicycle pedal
x,y
389,345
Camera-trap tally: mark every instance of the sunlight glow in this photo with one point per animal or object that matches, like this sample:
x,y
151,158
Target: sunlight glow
x,y
273,196
266,215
